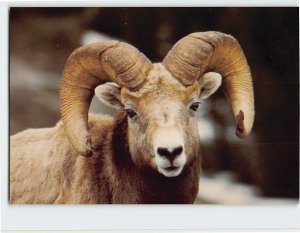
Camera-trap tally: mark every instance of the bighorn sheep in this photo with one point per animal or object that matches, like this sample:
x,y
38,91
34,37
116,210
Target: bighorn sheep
x,y
149,152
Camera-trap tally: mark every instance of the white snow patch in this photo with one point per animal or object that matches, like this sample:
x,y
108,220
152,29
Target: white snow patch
x,y
222,188
206,130
91,36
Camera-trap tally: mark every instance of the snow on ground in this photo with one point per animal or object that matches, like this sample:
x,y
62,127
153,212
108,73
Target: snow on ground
x,y
222,188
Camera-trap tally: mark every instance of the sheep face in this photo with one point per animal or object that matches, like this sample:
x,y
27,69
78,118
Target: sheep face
x,y
162,118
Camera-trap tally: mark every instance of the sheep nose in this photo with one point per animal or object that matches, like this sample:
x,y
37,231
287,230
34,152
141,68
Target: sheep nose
x,y
170,153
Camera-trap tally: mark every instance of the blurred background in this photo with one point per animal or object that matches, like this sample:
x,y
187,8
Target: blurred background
x,y
261,169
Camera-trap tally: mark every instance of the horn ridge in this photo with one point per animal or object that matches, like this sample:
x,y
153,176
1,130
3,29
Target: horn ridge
x,y
86,68
218,52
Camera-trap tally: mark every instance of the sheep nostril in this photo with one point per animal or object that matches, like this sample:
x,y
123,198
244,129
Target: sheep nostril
x,y
178,150
165,152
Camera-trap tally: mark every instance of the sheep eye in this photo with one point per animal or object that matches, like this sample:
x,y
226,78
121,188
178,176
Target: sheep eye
x,y
195,106
130,113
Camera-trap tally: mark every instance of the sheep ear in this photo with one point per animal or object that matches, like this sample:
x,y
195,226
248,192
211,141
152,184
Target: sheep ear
x,y
209,83
109,94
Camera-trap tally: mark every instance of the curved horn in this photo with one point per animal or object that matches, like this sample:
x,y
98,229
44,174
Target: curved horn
x,y
86,68
201,52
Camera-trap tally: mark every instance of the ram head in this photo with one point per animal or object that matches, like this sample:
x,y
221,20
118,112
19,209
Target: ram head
x,y
159,100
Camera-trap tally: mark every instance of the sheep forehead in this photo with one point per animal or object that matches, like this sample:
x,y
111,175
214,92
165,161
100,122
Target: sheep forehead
x,y
160,84
160,95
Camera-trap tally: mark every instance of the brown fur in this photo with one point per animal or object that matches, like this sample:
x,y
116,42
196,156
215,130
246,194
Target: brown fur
x,y
44,168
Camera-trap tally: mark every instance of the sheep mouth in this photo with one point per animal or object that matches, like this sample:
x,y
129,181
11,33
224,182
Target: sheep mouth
x,y
172,168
